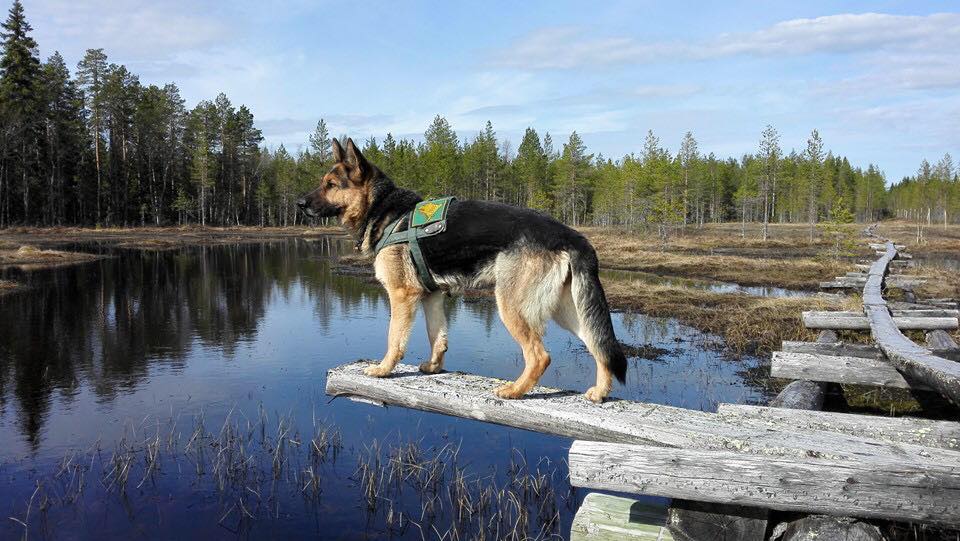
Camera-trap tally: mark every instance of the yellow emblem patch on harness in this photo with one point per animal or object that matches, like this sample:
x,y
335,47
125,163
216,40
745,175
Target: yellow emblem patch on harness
x,y
429,211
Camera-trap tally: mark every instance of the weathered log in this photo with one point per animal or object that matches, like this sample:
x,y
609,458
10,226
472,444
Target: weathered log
x,y
847,282
928,312
602,517
887,488
801,395
940,339
823,528
698,520
569,414
690,520
854,321
942,434
848,370
910,359
836,349
882,246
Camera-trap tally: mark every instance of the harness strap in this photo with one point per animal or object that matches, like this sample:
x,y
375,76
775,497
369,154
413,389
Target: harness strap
x,y
410,236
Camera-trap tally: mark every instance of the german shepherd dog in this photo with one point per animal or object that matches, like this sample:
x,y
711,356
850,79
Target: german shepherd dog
x,y
539,268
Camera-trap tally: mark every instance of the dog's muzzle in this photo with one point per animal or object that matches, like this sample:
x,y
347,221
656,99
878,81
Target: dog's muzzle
x,y
305,207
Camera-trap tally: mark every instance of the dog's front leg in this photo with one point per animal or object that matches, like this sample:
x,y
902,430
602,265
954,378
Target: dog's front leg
x,y
403,306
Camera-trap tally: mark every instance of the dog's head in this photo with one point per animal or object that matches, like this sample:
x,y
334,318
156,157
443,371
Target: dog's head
x,y
345,190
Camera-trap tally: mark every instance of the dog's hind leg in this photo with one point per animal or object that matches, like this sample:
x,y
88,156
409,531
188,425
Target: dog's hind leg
x,y
436,330
528,287
535,356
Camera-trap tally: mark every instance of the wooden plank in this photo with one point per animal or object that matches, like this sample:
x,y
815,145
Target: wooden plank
x,y
846,282
569,414
698,520
928,312
849,370
890,489
802,394
603,517
910,359
841,349
942,434
853,321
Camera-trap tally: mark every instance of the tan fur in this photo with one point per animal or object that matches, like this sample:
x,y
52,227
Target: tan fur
x,y
395,271
340,187
436,331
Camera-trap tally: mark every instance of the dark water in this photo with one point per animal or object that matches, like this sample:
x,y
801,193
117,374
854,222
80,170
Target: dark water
x,y
99,360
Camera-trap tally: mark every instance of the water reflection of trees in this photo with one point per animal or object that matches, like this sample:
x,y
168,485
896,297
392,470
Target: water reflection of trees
x,y
105,323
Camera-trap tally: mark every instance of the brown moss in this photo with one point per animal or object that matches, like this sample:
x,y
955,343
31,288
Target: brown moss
x,y
37,258
747,323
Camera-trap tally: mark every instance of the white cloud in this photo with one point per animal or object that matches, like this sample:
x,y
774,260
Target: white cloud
x,y
567,47
134,29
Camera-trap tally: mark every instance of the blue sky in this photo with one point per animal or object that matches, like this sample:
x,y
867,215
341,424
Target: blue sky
x,y
880,80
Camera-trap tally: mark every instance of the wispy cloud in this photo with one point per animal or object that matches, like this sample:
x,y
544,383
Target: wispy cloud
x,y
571,47
141,29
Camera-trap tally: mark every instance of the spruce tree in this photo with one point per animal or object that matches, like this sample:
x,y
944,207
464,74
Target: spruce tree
x,y
320,143
20,105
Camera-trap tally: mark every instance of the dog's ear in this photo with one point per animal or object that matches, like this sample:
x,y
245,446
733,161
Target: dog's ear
x,y
337,150
356,159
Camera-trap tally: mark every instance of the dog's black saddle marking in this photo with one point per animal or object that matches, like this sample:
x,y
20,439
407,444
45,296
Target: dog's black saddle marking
x,y
427,219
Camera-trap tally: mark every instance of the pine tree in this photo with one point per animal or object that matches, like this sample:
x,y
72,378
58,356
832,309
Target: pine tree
x,y
688,157
63,135
573,169
201,141
531,170
91,74
770,155
814,156
440,157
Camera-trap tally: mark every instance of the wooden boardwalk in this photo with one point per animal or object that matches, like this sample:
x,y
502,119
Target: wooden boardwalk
x,y
725,469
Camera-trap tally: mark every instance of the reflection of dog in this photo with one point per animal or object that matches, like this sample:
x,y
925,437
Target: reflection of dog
x,y
540,269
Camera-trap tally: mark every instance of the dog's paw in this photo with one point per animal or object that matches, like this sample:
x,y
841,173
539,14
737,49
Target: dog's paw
x,y
595,395
508,392
376,371
430,368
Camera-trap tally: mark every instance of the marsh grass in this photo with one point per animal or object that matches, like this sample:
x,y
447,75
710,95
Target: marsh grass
x,y
254,468
248,463
33,257
443,500
625,252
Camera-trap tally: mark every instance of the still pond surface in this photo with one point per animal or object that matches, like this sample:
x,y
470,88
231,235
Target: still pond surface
x,y
179,394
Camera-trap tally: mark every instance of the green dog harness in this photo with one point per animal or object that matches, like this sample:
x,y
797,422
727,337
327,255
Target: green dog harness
x,y
427,219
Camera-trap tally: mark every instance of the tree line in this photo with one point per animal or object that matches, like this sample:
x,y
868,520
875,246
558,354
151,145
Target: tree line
x,y
98,147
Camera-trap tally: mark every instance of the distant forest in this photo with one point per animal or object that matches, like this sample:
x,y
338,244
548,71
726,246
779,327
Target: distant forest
x,y
97,147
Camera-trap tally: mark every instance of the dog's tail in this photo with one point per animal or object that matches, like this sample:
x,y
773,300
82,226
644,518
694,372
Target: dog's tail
x,y
594,313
